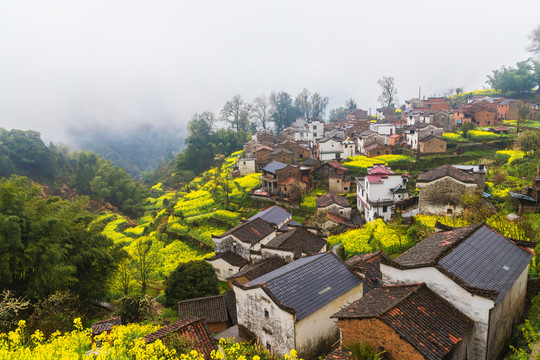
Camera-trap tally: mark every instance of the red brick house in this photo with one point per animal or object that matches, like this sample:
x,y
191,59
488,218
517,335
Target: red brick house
x,y
436,103
480,113
407,322
374,150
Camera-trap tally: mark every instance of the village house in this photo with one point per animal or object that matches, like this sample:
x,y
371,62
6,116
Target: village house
x,y
438,118
282,155
335,133
530,200
349,148
369,137
407,322
480,272
436,103
383,127
339,183
300,152
290,308
440,190
419,131
432,145
357,114
503,109
378,191
335,204
277,216
219,311
478,171
330,168
276,172
267,136
245,166
261,154
294,244
386,113
480,113
250,147
226,264
329,149
375,149
243,239
193,330
255,270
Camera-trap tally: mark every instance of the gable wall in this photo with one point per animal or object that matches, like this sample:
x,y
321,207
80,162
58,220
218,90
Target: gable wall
x,y
277,329
439,195
228,243
223,269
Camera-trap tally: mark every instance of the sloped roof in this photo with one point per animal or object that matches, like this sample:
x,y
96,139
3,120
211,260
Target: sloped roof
x,y
211,308
331,198
425,320
281,150
299,240
263,147
307,284
288,181
431,137
230,258
273,215
251,231
380,170
105,325
273,166
339,354
446,170
310,162
260,268
478,258
194,329
369,265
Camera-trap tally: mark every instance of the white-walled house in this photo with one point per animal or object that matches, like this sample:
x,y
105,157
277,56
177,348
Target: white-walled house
x,y
419,131
378,191
246,166
369,137
329,149
385,128
245,238
477,270
290,308
349,148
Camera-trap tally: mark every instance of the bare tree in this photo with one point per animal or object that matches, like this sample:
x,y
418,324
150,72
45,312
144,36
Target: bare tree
x,y
262,111
350,104
236,113
144,261
318,106
389,91
303,103
534,47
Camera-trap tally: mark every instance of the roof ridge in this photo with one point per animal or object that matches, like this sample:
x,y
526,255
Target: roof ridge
x,y
475,228
294,269
415,288
200,298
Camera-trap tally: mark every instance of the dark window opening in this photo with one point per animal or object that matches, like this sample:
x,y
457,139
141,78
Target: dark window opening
x,y
266,313
384,209
449,211
268,346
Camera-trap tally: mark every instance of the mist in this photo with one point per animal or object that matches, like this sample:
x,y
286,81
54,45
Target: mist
x,y
68,66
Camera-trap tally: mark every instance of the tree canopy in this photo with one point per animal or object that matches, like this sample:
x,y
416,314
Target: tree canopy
x,y
521,79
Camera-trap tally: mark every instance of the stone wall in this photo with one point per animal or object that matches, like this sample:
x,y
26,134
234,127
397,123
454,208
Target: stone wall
x,y
438,196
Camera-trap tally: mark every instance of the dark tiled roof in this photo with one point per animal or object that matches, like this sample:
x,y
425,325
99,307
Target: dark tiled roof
x,y
446,170
431,249
194,329
281,150
335,164
487,260
310,162
299,240
430,137
230,258
251,231
476,257
331,198
307,284
428,322
273,215
105,325
210,308
230,302
260,268
274,166
370,266
339,220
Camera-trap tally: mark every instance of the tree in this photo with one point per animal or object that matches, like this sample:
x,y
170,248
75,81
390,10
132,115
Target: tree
x,y
144,260
520,79
350,104
389,91
529,141
262,111
534,47
523,112
337,114
9,309
303,103
237,113
190,280
284,112
465,128
318,106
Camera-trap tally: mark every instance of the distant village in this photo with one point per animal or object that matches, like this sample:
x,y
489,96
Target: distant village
x,y
458,294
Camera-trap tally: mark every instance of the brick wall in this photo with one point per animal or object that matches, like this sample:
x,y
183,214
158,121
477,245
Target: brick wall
x,y
379,334
432,146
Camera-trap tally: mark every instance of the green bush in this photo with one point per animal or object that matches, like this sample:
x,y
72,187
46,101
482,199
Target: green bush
x,y
190,280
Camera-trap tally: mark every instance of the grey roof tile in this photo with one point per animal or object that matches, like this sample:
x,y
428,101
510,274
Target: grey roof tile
x,y
273,166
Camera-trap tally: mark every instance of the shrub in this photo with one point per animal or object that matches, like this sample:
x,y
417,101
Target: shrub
x,y
363,351
190,280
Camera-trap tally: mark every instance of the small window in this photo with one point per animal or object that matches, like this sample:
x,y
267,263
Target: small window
x,y
268,346
449,211
244,163
384,208
314,127
266,313
230,270
345,188
338,181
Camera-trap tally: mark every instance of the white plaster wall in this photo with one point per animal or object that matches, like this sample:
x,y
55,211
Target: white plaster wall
x,y
474,306
246,166
224,269
277,329
288,256
381,191
318,326
264,241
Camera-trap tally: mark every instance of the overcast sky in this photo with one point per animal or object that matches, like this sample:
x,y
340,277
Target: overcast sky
x,y
65,64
